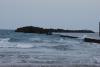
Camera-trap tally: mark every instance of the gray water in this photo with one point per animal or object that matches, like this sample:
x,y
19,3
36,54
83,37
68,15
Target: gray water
x,y
41,48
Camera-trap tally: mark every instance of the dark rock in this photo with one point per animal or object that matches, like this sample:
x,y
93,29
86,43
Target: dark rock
x,y
68,36
32,29
92,40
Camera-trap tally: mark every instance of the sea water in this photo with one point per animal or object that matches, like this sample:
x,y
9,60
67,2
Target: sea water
x,y
40,48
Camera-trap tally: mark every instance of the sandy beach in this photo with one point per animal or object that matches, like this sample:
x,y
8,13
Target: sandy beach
x,y
49,65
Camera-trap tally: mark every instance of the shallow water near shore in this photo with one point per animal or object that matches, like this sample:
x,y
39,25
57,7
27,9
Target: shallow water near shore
x,y
41,48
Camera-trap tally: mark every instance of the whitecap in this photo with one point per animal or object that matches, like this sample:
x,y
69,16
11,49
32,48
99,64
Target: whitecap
x,y
23,45
4,39
36,40
4,42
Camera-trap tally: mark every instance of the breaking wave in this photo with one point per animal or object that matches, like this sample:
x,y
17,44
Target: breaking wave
x,y
4,43
36,48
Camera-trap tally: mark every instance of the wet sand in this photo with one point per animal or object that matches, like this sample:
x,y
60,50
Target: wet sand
x,y
49,65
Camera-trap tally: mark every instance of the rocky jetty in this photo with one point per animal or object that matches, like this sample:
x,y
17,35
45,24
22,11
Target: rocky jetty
x,y
32,29
91,40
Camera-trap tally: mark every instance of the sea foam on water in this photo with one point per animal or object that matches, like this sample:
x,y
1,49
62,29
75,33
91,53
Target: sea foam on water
x,y
38,48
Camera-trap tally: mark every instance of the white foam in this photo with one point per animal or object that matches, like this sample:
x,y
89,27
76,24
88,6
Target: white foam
x,y
4,39
84,36
36,39
4,43
61,40
23,45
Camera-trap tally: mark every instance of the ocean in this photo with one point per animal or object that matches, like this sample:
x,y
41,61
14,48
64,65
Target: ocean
x,y
40,48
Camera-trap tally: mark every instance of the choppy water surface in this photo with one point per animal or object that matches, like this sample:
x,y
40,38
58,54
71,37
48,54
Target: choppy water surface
x,y
40,48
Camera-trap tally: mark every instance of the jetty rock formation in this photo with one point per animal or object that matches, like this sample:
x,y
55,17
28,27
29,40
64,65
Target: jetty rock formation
x,y
32,29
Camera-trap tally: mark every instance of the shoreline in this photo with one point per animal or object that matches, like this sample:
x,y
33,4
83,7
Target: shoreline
x,y
48,65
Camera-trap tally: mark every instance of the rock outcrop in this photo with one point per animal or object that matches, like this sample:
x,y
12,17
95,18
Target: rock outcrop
x,y
32,29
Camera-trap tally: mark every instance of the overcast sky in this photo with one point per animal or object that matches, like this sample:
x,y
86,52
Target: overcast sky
x,y
67,14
